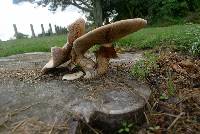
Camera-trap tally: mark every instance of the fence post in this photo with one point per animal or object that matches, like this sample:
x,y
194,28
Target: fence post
x,y
32,30
50,29
56,29
43,32
15,29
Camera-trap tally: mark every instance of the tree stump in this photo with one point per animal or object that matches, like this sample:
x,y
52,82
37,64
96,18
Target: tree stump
x,y
104,102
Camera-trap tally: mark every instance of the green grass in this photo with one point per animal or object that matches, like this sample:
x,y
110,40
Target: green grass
x,y
41,44
142,68
182,37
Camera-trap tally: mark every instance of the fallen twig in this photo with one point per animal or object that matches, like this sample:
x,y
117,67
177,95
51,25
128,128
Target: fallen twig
x,y
50,132
177,118
18,125
171,115
147,119
22,109
154,105
16,111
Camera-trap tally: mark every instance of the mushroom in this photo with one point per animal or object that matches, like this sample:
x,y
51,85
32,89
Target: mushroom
x,y
102,36
62,55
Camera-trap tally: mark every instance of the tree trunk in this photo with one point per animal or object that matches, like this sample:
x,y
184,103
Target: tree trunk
x,y
98,15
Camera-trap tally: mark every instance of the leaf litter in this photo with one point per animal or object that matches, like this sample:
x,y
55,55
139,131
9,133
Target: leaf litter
x,y
175,99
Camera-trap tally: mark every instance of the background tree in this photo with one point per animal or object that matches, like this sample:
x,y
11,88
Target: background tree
x,y
155,11
93,7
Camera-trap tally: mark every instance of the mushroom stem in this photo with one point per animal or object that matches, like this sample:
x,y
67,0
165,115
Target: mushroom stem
x,y
102,65
103,56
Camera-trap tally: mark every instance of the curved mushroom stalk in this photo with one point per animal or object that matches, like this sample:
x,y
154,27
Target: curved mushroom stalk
x,y
88,65
58,57
103,56
62,55
103,35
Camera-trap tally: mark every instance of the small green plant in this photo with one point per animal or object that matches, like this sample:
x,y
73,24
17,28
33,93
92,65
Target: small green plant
x,y
195,49
163,96
139,70
142,68
170,85
154,129
126,127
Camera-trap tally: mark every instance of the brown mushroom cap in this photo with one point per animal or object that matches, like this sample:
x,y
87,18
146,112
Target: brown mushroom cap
x,y
62,55
107,34
76,29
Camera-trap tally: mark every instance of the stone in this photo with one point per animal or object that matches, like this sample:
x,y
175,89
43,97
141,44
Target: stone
x,y
28,98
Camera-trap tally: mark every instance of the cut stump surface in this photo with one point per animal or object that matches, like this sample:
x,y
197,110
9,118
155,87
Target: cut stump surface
x,y
25,95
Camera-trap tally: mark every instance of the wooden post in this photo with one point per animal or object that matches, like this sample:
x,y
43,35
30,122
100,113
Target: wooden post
x,y
15,29
59,29
43,32
56,29
32,30
50,29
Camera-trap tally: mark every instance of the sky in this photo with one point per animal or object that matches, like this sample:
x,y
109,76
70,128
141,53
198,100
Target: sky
x,y
26,13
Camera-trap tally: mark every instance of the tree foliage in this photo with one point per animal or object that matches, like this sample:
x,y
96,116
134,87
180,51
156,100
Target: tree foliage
x,y
105,10
154,10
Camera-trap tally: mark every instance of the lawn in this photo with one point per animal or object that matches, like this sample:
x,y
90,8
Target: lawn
x,y
181,37
40,44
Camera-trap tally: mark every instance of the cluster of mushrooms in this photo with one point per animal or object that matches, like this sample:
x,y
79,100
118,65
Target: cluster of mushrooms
x,y
73,52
